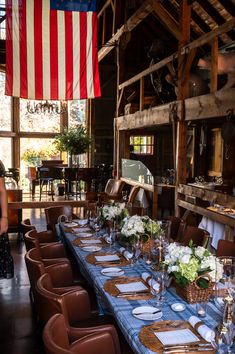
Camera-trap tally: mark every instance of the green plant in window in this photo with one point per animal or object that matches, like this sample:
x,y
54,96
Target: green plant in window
x,y
32,157
74,140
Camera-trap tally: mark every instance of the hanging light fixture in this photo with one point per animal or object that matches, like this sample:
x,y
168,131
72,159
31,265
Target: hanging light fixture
x,y
45,107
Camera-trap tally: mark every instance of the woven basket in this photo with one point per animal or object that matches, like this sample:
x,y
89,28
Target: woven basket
x,y
193,293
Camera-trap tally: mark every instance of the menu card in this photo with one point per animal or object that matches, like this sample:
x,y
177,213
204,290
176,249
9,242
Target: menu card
x,y
108,258
136,286
179,336
90,241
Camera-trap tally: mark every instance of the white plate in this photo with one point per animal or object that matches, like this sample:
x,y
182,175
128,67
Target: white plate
x,y
91,248
147,313
178,307
84,234
70,224
112,272
82,222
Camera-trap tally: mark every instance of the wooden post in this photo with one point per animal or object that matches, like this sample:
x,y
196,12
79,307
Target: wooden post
x,y
181,150
16,130
214,65
142,94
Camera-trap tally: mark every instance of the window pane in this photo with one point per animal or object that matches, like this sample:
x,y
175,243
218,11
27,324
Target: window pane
x,y
5,151
76,112
5,106
142,144
32,151
38,122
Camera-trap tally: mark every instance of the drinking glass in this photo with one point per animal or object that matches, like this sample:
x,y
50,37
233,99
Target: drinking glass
x,y
226,285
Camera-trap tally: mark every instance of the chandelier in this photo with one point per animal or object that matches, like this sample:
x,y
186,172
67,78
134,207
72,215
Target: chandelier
x,y
45,107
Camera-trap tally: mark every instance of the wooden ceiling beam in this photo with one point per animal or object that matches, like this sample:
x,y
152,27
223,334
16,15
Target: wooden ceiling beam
x,y
167,20
131,23
211,12
185,49
227,26
229,7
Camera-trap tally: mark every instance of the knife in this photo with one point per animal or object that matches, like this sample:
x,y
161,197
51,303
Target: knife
x,y
146,313
197,345
136,293
186,349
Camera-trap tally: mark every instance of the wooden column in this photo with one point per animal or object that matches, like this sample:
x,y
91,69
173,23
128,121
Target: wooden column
x,y
16,130
183,79
122,148
120,52
214,65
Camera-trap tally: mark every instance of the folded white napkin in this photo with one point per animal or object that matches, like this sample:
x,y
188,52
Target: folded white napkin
x,y
108,258
206,333
147,277
107,238
125,253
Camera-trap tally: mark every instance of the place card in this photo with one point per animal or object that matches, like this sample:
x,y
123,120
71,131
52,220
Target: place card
x,y
179,336
108,258
90,241
134,287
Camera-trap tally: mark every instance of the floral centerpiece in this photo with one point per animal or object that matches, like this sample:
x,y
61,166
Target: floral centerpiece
x,y
114,212
194,270
136,227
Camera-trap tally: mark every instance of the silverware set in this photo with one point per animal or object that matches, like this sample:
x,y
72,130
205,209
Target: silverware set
x,y
187,348
133,293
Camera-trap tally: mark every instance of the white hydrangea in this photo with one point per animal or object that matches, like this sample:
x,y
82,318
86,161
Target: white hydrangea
x,y
133,225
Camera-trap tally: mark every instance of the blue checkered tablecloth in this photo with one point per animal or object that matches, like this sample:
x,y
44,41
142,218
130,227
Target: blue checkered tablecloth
x,y
121,308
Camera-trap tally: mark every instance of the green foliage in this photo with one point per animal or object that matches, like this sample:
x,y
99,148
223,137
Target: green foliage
x,y
33,157
74,140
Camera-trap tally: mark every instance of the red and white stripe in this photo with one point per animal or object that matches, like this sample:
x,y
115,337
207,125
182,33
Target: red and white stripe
x,y
50,54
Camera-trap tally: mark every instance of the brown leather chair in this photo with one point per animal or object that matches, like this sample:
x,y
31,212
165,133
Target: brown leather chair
x,y
60,271
199,236
225,249
75,305
113,191
54,212
26,226
177,226
58,338
43,238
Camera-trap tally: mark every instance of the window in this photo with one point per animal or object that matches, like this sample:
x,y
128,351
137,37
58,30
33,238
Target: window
x,y
142,145
76,112
47,122
3,23
5,106
5,151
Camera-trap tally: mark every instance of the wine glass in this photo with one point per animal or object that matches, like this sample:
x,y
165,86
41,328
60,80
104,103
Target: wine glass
x,y
155,289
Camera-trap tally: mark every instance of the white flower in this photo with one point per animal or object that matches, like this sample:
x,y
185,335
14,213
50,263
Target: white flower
x,y
199,251
186,258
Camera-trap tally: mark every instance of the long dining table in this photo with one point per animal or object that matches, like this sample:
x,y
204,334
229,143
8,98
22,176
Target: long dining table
x,y
120,307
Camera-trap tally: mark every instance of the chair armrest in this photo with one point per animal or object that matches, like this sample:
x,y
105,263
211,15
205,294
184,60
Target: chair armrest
x,y
53,261
101,343
76,333
55,250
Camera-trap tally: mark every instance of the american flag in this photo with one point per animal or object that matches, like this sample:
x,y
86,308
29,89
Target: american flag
x,y
51,49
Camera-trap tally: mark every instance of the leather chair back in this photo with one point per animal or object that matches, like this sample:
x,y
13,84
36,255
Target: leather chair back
x,y
53,213
35,269
55,336
225,248
59,338
74,305
26,226
31,241
133,193
199,236
177,226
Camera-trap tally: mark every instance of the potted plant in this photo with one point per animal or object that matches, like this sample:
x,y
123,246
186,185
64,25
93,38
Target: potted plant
x,y
74,140
139,227
194,271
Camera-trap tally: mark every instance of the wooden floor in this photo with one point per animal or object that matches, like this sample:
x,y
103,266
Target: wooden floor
x,y
19,333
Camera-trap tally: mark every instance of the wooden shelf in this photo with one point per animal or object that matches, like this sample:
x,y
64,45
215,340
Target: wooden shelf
x,y
223,219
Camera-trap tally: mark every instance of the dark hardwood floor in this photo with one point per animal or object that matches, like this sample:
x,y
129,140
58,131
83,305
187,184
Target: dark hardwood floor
x,y
19,332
